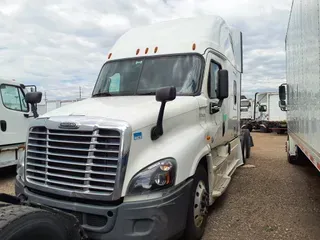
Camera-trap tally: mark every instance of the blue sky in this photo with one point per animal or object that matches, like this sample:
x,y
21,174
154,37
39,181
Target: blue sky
x,y
62,44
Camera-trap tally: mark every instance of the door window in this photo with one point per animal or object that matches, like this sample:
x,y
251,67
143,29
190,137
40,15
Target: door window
x,y
213,80
13,98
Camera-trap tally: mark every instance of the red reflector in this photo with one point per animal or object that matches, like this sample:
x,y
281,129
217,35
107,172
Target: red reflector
x,y
194,46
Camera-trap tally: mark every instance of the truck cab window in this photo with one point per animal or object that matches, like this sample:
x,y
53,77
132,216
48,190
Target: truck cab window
x,y
13,98
213,80
145,75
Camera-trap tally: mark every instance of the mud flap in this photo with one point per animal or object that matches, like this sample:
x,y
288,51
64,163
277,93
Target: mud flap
x,y
251,141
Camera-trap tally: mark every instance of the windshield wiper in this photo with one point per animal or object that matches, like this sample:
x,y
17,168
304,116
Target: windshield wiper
x,y
102,94
147,93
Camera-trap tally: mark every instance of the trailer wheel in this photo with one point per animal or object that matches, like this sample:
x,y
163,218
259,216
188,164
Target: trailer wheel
x,y
298,159
198,208
26,223
264,129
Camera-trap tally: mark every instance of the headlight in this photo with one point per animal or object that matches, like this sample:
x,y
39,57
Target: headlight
x,y
158,176
20,164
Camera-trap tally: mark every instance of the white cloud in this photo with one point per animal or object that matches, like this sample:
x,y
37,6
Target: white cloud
x,y
62,44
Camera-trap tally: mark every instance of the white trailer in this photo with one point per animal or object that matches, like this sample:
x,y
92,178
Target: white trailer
x,y
299,96
15,116
157,142
267,115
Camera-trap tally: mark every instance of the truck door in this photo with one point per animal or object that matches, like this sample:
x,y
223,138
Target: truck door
x,y
218,125
13,122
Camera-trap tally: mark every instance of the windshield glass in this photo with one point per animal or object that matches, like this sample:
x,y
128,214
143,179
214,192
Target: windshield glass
x,y
146,75
245,103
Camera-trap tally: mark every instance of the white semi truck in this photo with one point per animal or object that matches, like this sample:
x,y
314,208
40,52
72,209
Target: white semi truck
x,y
15,117
154,146
299,96
267,116
246,109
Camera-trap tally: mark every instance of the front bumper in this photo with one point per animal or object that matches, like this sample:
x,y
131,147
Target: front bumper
x,y
160,218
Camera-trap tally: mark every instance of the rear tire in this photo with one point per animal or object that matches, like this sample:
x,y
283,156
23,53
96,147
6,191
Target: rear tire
x,y
27,223
246,145
199,203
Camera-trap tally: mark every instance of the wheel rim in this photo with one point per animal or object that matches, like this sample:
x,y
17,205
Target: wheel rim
x,y
201,201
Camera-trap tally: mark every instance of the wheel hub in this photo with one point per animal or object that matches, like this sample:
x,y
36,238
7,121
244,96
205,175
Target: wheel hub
x,y
201,202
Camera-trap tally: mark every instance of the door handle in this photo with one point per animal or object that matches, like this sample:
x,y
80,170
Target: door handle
x,y
3,125
214,108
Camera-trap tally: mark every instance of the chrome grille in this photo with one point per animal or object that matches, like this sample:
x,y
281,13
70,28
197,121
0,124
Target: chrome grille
x,y
81,161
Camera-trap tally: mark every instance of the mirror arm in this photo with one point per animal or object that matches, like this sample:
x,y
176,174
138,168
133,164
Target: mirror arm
x,y
34,110
157,131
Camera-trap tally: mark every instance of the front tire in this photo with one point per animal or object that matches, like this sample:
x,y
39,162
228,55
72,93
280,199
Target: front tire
x,y
198,208
19,222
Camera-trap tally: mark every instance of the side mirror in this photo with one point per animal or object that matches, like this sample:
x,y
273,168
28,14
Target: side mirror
x,y
283,105
166,94
282,92
223,85
163,95
263,108
33,97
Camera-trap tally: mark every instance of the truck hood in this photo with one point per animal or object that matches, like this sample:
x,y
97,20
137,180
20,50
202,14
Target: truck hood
x,y
138,111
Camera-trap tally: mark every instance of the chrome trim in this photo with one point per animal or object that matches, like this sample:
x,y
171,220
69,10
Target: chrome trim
x,y
69,125
85,124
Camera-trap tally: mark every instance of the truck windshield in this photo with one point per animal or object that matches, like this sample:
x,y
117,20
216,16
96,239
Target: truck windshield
x,y
245,103
144,76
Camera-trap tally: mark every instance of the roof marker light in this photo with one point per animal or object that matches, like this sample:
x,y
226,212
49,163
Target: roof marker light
x,y
109,56
194,46
155,49
146,51
137,52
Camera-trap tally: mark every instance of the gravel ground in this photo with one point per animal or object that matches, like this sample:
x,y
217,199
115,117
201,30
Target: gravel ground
x,y
267,199
273,200
7,176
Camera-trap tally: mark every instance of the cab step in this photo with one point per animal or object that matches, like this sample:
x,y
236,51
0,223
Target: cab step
x,y
222,186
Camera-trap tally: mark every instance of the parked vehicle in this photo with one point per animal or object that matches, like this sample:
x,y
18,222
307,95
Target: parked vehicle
x,y
246,110
15,116
267,115
299,96
157,142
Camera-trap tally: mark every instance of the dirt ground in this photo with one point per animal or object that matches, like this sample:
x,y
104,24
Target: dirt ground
x,y
7,176
267,199
272,200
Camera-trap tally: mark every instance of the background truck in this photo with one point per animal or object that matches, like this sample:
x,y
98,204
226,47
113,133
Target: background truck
x,y
15,116
299,96
267,115
246,110
154,146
